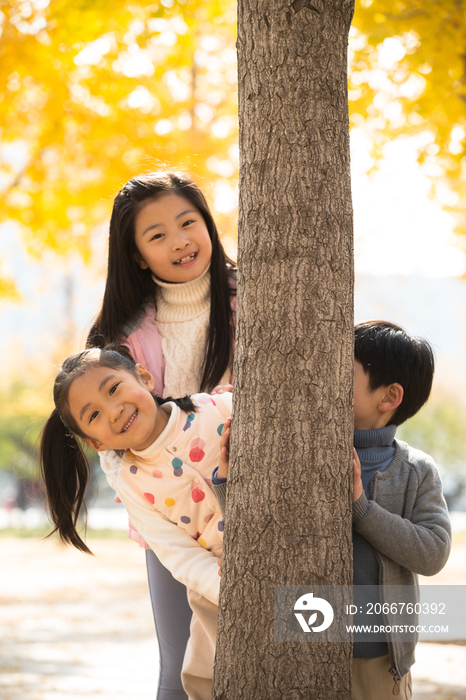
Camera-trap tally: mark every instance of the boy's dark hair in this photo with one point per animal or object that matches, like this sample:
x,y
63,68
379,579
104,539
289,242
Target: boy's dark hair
x,y
129,288
389,355
63,465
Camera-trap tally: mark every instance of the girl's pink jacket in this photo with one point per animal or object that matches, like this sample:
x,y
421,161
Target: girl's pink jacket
x,y
145,345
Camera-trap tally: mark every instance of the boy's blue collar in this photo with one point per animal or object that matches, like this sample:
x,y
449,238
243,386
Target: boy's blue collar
x,y
378,437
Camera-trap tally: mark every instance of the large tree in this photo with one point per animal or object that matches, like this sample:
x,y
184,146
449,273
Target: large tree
x,y
288,513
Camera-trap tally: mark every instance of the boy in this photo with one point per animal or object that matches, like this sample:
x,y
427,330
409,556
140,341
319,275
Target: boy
x,y
401,526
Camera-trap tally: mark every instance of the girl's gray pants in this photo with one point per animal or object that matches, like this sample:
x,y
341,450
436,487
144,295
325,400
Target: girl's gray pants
x,y
172,616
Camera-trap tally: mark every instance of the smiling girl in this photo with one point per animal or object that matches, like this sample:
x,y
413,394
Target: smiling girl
x,y
170,298
178,253
104,398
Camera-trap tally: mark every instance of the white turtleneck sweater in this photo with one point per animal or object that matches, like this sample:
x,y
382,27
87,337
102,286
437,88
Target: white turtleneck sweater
x,y
183,312
182,319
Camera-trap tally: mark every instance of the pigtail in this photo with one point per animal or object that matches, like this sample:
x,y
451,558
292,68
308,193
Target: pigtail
x,y
65,473
186,404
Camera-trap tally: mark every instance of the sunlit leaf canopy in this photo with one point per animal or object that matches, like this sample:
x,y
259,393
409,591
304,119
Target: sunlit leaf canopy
x,y
408,77
94,93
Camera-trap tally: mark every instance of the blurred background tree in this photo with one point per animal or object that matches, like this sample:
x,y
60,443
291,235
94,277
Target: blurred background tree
x,y
408,77
93,93
439,428
23,409
18,434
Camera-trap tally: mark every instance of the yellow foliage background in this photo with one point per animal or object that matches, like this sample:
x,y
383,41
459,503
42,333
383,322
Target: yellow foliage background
x,y
92,93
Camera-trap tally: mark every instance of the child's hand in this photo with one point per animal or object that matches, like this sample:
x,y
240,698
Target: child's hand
x,y
222,471
222,388
357,481
134,535
219,563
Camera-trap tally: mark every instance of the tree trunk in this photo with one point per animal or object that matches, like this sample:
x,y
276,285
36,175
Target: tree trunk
x,y
288,518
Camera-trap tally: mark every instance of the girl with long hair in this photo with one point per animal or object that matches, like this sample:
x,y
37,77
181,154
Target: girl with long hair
x,y
170,298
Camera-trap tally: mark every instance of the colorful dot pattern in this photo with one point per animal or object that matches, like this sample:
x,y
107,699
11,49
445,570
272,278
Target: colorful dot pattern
x,y
189,420
177,465
177,485
196,452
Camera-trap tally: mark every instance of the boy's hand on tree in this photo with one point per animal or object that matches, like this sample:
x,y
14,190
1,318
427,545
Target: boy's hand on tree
x,y
222,471
222,388
219,564
357,481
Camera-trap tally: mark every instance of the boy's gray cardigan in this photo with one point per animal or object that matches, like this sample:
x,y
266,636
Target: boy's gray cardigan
x,y
406,521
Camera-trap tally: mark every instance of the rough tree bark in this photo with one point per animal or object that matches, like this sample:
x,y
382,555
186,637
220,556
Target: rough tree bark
x,y
288,518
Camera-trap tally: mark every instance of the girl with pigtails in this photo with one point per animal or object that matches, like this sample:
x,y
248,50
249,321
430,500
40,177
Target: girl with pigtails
x,y
167,450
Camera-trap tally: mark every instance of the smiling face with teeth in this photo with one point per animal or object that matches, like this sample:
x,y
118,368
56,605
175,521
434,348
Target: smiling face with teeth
x,y
172,239
115,409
